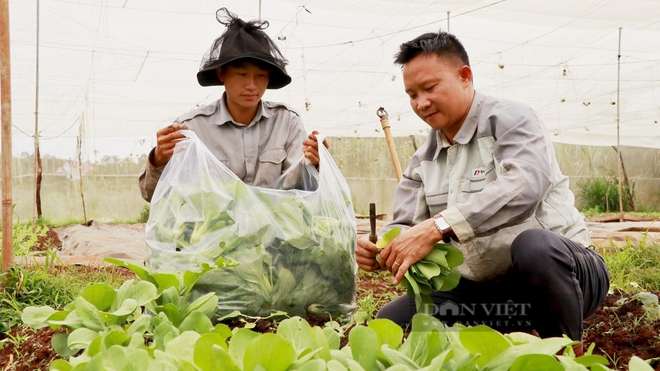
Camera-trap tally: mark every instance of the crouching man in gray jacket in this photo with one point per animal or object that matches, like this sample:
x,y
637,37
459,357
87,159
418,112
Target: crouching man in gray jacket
x,y
487,178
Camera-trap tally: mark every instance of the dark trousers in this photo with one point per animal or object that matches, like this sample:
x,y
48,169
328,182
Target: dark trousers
x,y
552,286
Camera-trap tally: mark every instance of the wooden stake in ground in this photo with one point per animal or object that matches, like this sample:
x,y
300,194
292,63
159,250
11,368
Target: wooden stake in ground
x,y
385,123
626,183
82,194
5,98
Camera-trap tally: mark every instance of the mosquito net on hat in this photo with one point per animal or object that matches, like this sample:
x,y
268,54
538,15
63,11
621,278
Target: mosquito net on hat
x,y
243,41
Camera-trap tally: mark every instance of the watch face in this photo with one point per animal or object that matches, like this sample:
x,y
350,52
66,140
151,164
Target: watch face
x,y
442,224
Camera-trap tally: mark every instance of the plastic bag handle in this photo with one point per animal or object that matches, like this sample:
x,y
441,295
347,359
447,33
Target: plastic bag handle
x,y
330,177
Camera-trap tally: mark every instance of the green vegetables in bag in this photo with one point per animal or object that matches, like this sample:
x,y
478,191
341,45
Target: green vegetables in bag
x,y
438,271
295,253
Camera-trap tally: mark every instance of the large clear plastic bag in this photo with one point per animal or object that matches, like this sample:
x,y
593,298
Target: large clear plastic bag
x,y
295,243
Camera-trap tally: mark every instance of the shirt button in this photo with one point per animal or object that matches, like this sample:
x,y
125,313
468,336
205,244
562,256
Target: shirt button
x,y
451,191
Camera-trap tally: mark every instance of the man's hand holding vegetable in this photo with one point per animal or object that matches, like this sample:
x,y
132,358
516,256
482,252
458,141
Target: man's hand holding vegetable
x,y
402,252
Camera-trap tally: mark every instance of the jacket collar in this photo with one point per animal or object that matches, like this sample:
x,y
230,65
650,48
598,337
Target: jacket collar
x,y
468,128
224,116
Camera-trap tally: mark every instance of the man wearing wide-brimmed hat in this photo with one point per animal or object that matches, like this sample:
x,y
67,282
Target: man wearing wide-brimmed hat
x,y
255,139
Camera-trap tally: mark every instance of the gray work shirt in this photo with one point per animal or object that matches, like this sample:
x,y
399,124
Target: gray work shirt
x,y
499,178
257,153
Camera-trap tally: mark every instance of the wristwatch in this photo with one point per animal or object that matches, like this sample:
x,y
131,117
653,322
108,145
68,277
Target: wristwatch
x,y
443,227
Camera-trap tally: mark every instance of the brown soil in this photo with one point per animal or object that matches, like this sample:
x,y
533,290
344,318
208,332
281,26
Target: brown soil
x,y
623,330
34,351
49,241
618,331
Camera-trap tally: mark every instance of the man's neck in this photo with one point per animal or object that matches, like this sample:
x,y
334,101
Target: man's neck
x,y
242,115
454,130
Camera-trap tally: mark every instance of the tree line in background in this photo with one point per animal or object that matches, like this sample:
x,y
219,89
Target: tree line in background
x,y
24,165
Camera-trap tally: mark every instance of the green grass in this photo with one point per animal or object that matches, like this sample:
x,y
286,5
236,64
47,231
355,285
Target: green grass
x,y
24,236
48,284
598,212
633,266
142,217
65,222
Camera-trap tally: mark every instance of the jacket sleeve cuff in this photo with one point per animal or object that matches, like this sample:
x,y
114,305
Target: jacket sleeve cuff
x,y
150,163
149,177
459,225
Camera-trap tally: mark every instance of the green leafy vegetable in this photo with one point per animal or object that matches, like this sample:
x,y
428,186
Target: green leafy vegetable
x,y
296,345
438,271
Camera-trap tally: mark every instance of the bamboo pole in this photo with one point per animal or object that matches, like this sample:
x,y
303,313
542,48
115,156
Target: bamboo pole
x,y
5,99
385,123
37,153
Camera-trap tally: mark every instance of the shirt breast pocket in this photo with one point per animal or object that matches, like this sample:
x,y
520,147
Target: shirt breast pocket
x,y
473,185
273,156
270,166
436,202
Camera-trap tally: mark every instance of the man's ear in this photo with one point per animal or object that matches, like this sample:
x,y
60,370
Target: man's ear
x,y
220,73
466,73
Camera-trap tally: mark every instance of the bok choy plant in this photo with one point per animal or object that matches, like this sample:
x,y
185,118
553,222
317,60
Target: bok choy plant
x,y
151,325
438,271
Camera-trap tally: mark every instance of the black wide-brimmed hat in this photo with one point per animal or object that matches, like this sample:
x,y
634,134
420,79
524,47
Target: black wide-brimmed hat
x,y
242,40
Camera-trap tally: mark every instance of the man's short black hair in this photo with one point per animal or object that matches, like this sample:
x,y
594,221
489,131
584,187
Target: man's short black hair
x,y
441,43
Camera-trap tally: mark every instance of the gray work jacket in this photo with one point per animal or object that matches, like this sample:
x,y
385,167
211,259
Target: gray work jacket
x,y
257,153
499,178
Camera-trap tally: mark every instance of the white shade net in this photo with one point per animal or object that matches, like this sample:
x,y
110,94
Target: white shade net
x,y
118,70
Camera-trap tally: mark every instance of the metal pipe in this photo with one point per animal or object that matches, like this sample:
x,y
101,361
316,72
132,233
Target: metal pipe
x,y
373,238
618,144
448,20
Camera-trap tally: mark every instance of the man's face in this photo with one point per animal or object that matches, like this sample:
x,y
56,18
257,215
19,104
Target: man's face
x,y
244,84
440,91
